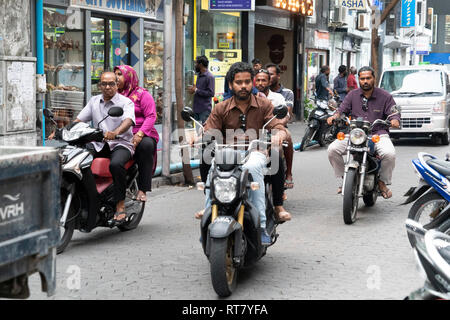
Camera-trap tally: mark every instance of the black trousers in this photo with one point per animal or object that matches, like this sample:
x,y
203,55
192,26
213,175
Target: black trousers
x,y
143,155
119,157
277,178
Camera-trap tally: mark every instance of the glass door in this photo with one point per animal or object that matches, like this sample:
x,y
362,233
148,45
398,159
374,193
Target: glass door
x,y
153,67
109,47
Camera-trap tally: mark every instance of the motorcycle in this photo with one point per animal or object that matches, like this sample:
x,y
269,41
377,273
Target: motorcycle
x,y
361,166
87,188
432,195
230,227
432,254
318,129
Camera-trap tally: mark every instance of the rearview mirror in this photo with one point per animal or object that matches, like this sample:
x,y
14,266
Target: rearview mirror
x,y
187,114
48,113
280,111
115,112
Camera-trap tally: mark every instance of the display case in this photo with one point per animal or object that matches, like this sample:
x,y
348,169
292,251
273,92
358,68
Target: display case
x,y
153,67
97,53
64,63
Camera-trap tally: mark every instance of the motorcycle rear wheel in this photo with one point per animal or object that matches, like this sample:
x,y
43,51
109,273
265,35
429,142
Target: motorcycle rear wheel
x,y
223,272
350,205
326,136
430,202
306,138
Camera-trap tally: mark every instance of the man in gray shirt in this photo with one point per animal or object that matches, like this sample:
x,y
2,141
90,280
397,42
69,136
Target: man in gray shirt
x,y
119,150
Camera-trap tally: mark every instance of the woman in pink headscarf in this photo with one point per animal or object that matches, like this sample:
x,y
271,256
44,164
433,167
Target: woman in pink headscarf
x,y
145,136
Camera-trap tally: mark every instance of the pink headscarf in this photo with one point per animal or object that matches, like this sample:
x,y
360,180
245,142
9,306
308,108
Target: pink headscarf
x,y
131,88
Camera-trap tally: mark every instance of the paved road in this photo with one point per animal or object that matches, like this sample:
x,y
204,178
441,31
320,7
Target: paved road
x,y
316,257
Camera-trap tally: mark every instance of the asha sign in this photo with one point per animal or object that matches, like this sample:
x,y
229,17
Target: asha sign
x,y
354,4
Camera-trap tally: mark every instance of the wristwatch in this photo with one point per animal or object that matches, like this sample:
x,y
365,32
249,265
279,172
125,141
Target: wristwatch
x,y
140,134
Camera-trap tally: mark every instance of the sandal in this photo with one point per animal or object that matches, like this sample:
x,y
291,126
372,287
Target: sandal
x,y
284,196
282,216
116,221
288,184
339,190
142,197
386,194
199,214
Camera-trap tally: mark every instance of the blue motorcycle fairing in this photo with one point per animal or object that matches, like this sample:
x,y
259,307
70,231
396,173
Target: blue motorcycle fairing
x,y
439,183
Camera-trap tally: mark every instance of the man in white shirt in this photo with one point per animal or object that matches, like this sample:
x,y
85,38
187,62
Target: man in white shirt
x,y
119,150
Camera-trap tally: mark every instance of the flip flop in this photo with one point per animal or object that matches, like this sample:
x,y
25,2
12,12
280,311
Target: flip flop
x,y
283,216
115,221
142,198
386,194
339,190
288,184
199,214
284,196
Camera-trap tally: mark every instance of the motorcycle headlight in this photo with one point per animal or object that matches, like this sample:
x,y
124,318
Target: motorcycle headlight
x,y
358,136
225,189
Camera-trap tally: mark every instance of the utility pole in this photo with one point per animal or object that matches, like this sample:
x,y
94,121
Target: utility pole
x,y
375,38
167,111
179,86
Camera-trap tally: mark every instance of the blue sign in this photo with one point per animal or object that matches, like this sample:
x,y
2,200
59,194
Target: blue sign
x,y
232,5
408,13
438,57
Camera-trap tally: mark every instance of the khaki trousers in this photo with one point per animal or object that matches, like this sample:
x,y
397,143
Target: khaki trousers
x,y
384,148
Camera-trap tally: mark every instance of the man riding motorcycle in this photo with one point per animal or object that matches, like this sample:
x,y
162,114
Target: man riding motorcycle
x,y
370,103
249,112
119,150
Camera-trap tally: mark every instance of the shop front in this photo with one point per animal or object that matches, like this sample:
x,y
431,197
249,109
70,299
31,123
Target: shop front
x,y
84,38
317,55
217,35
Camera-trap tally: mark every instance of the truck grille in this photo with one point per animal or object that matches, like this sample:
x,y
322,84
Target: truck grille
x,y
414,122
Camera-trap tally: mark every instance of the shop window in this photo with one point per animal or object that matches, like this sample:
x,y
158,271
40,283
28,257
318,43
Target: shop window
x,y
109,47
64,63
153,67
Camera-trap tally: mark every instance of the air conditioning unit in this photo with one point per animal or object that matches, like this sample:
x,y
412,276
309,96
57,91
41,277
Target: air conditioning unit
x,y
340,15
363,21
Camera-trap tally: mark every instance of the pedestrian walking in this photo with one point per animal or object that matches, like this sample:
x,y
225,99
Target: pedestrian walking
x,y
340,83
351,79
203,90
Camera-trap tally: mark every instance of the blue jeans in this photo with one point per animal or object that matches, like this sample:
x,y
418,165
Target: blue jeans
x,y
202,116
255,164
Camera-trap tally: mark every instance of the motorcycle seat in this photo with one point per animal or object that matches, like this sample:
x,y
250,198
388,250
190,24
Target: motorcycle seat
x,y
441,166
100,167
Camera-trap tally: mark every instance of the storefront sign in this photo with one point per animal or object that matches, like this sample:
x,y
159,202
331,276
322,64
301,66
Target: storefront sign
x,y
423,46
135,8
408,13
232,5
221,60
322,39
354,4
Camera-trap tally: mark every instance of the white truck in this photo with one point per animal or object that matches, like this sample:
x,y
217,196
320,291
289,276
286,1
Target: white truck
x,y
422,94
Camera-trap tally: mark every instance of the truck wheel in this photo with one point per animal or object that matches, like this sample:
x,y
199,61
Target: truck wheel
x,y
350,207
223,272
444,139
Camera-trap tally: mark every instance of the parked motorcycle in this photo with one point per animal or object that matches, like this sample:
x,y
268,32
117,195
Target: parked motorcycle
x,y
361,166
230,227
432,253
87,186
318,128
431,197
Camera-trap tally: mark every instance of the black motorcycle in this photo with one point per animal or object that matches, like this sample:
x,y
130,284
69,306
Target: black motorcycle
x,y
318,128
87,188
361,166
432,253
230,227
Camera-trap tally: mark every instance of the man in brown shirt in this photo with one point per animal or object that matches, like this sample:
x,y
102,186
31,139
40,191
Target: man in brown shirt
x,y
249,113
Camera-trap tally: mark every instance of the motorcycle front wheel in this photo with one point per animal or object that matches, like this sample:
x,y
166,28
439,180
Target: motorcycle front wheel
x,y
306,138
350,207
424,210
223,272
66,231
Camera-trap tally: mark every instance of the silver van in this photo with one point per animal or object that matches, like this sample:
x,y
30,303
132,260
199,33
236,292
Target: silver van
x,y
422,94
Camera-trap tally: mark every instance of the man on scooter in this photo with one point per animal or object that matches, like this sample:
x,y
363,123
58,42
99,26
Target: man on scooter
x,y
249,112
119,150
370,103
